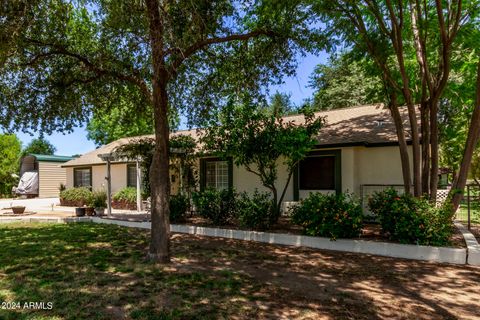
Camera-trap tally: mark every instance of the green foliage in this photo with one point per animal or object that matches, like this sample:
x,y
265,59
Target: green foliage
x,y
39,146
95,61
77,196
110,125
217,206
345,82
183,162
128,194
410,220
259,141
333,216
99,199
182,154
179,205
10,148
140,148
281,104
255,211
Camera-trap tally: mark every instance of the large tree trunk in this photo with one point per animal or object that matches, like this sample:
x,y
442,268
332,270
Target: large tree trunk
x,y
425,146
159,171
472,140
434,150
159,180
402,143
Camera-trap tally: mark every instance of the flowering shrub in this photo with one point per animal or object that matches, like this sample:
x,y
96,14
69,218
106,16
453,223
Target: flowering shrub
x,y
410,220
333,216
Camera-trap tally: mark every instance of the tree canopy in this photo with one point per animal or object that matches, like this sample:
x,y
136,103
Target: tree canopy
x,y
345,82
10,148
414,46
262,141
39,146
69,59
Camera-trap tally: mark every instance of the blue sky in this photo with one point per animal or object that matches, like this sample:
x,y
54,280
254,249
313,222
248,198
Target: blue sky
x,y
297,87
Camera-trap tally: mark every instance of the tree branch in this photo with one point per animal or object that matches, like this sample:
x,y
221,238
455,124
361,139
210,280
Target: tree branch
x,y
59,50
199,45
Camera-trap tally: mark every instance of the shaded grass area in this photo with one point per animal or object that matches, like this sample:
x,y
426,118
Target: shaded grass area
x,y
93,271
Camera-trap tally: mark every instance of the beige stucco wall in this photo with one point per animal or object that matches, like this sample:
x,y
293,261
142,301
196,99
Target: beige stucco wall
x,y
359,165
69,181
99,172
244,180
118,173
51,175
378,166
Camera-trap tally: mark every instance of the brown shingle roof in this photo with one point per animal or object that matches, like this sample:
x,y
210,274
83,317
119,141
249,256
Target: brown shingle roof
x,y
92,157
363,125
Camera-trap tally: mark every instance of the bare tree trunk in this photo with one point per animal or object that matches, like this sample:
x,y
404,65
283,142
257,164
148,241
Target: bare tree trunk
x,y
472,140
424,112
397,19
402,142
434,150
159,170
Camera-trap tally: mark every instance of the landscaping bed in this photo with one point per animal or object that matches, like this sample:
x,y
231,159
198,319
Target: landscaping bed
x,y
370,231
91,271
124,205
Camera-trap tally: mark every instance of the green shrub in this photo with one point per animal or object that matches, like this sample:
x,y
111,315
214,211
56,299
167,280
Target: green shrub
x,y
128,194
407,219
178,207
255,211
381,204
217,206
333,216
76,196
99,199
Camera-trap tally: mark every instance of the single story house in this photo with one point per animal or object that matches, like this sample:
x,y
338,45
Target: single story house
x,y
42,175
356,148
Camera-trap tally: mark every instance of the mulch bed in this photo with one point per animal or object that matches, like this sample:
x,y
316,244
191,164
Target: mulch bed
x,y
370,231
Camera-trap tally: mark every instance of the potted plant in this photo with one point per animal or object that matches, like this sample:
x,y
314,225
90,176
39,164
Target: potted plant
x,y
18,209
89,211
80,212
99,200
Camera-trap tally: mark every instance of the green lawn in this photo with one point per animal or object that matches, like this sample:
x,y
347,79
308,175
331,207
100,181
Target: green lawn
x,y
462,214
94,271
99,272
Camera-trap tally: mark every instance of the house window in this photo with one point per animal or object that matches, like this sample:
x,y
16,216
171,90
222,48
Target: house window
x,y
317,173
216,174
82,177
132,175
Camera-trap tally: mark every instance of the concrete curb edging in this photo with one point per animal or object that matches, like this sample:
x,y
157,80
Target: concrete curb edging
x,y
437,254
131,224
407,251
45,219
473,248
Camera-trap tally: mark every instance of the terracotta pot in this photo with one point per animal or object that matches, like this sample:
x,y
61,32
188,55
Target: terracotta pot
x,y
89,211
18,209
